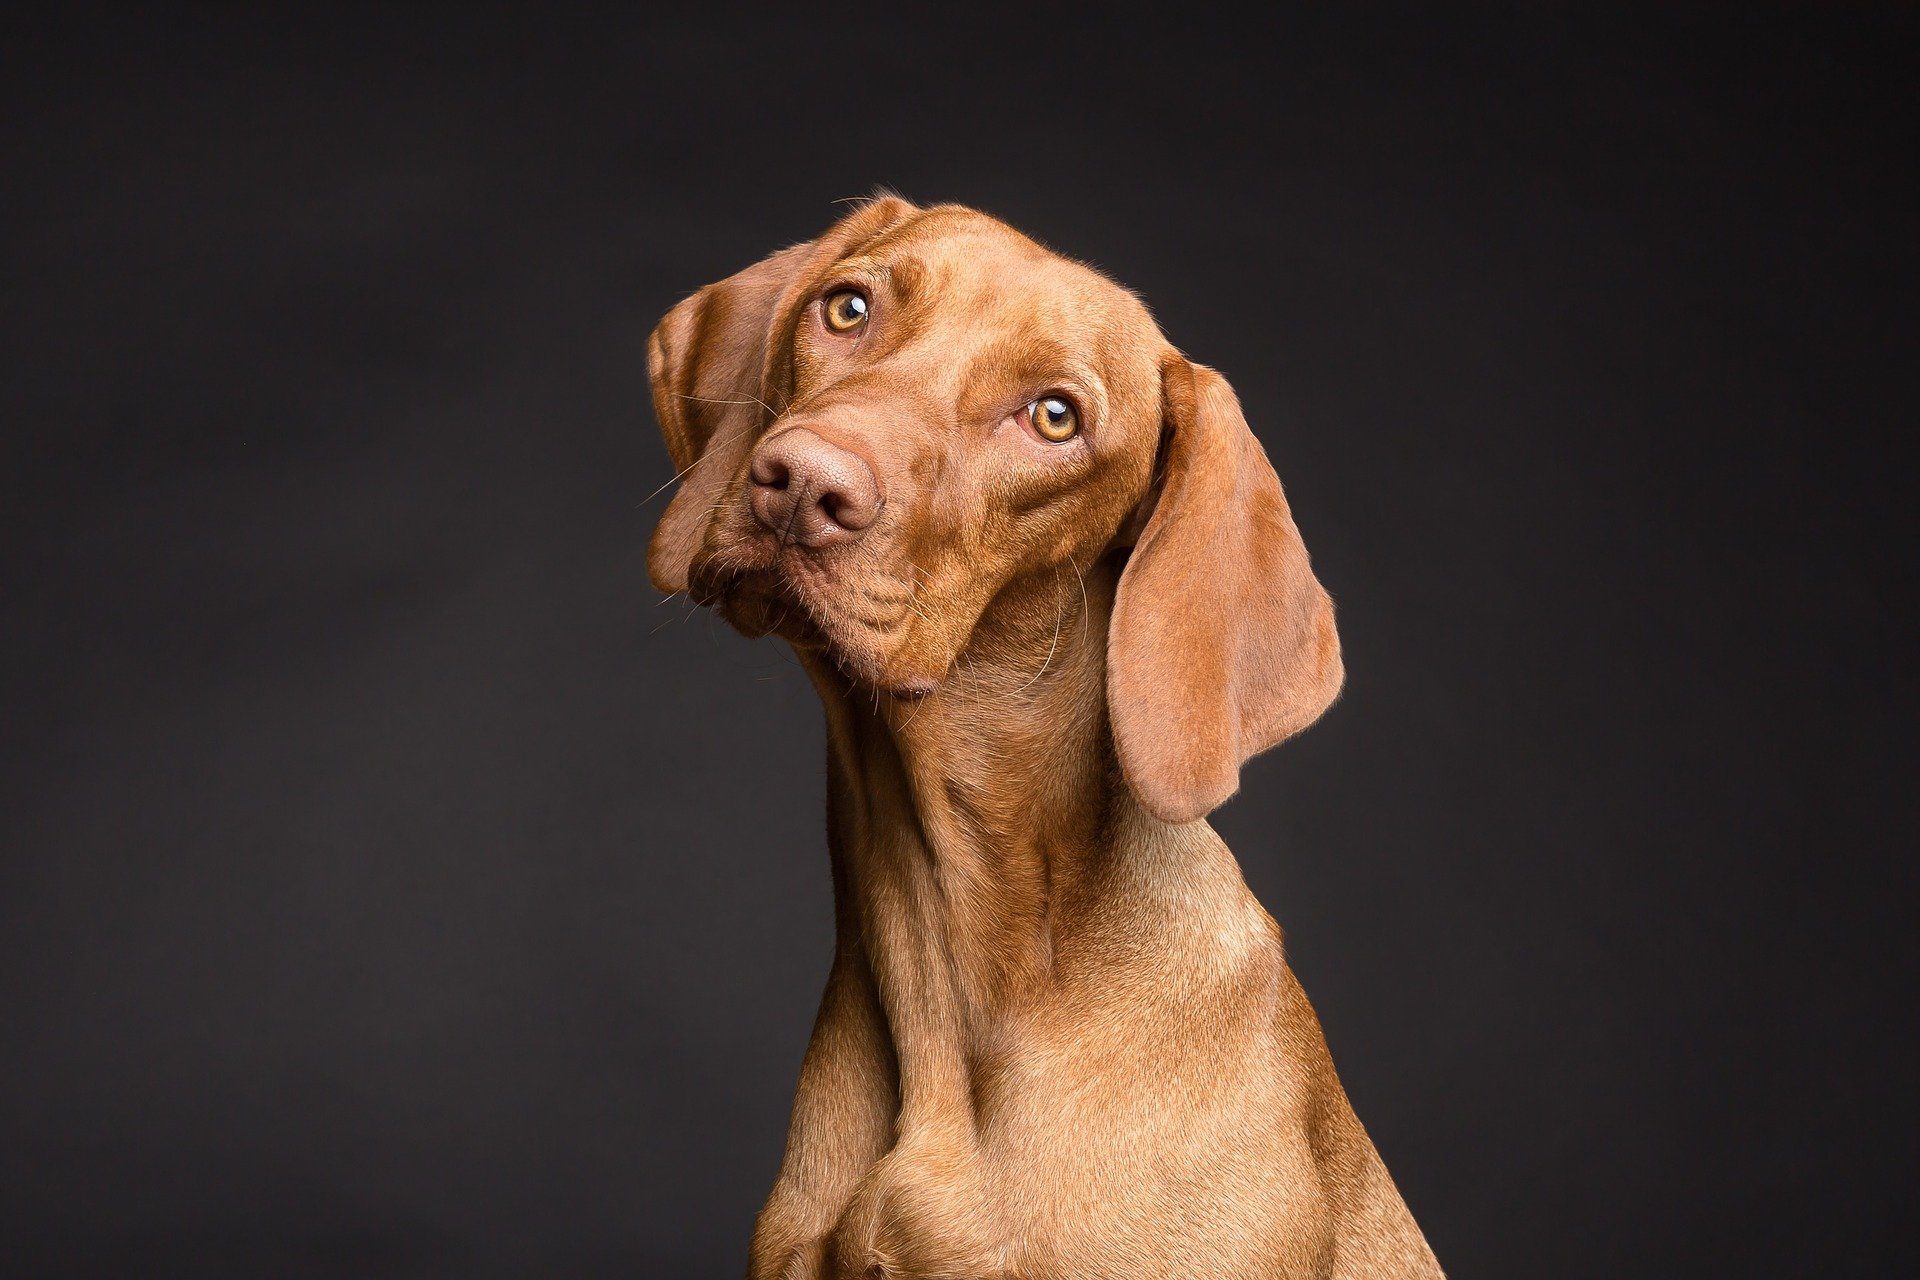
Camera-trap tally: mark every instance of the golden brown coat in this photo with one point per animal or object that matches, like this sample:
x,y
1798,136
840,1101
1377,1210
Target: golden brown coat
x,y
1060,1037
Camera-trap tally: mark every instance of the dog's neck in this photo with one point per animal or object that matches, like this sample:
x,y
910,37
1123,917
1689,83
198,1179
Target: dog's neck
x,y
972,830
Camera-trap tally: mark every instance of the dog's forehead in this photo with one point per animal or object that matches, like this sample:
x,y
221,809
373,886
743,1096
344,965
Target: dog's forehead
x,y
973,268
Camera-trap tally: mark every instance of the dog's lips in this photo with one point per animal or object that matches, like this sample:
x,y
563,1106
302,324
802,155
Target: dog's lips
x,y
761,599
911,689
758,601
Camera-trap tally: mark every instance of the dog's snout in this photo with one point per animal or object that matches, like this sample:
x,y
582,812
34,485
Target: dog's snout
x,y
812,492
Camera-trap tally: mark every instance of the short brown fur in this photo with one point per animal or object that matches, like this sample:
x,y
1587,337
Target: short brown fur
x,y
1060,1037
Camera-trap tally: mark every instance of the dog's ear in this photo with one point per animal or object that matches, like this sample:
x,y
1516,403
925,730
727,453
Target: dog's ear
x,y
712,360
1222,642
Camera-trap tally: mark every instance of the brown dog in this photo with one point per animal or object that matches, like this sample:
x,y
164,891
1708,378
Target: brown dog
x,y
1047,585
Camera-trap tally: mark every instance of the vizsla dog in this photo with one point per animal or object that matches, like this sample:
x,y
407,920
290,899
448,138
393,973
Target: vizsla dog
x,y
1047,585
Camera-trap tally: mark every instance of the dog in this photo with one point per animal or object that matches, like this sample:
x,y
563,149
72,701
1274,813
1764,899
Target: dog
x,y
1049,589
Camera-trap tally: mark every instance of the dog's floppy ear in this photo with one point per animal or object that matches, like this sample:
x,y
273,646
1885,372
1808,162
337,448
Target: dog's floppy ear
x,y
711,361
1222,642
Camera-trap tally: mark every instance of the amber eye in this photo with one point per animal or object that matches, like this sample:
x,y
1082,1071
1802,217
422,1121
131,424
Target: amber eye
x,y
1054,418
845,310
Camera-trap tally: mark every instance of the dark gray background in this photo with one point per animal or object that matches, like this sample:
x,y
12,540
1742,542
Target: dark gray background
x,y
392,889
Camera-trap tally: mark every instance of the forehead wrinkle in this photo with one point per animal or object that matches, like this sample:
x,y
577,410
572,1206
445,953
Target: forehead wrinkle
x,y
920,227
860,266
905,280
906,277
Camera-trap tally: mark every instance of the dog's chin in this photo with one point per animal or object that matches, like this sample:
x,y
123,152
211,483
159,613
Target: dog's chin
x,y
761,602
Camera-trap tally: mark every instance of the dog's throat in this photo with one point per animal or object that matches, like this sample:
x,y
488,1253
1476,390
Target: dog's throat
x,y
959,824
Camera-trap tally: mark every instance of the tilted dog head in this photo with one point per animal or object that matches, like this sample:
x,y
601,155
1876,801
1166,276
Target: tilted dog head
x,y
883,430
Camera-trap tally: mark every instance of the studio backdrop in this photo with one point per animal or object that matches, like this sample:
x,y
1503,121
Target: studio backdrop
x,y
395,885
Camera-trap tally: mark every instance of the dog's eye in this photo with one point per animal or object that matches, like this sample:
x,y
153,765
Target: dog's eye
x,y
1054,418
845,310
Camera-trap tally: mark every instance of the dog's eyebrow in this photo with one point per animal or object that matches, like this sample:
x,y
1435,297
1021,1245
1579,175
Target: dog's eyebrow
x,y
904,278
1038,360
861,265
907,277
1029,366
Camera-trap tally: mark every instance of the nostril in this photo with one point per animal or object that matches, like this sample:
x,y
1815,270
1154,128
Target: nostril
x,y
810,491
771,473
853,503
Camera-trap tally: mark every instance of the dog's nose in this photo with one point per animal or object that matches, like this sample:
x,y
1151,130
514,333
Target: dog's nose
x,y
812,492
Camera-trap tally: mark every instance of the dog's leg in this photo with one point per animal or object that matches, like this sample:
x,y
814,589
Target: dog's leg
x,y
843,1121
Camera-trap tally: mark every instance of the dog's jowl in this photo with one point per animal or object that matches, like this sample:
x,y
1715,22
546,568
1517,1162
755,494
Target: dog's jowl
x,y
1049,589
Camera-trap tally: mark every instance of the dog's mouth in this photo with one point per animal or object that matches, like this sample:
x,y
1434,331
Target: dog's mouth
x,y
788,595
758,602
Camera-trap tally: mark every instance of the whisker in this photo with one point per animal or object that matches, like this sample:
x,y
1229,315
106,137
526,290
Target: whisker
x,y
1058,615
1086,610
678,475
708,400
905,724
670,621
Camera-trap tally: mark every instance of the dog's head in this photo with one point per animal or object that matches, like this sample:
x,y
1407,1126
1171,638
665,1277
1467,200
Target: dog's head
x,y
882,431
